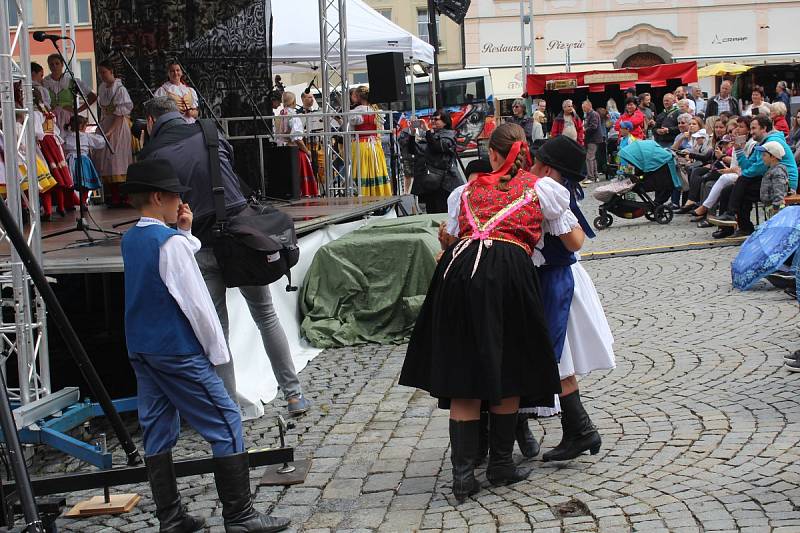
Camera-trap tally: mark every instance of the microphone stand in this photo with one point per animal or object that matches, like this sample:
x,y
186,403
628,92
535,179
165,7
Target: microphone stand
x,y
81,224
133,69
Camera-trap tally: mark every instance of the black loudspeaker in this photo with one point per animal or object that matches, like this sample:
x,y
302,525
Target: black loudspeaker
x,y
283,172
387,78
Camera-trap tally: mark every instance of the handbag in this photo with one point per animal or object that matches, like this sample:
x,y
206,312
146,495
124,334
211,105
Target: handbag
x,y
258,245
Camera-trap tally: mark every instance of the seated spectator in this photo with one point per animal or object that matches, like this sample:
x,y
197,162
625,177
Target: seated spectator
x,y
683,141
758,106
684,107
723,102
568,123
794,133
747,188
666,127
633,115
778,116
704,176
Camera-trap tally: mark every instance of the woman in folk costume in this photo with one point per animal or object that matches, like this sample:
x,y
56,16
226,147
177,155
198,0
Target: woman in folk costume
x,y
581,336
48,134
115,106
367,159
481,335
59,85
291,127
184,96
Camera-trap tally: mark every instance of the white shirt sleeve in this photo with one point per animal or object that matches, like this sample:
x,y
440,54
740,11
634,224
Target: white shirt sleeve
x,y
123,103
454,210
179,272
92,141
554,201
296,128
161,91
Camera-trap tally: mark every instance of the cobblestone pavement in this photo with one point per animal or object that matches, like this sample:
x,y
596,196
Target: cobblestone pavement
x,y
699,423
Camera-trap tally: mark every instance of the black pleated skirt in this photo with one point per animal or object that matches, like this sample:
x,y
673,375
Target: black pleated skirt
x,y
483,336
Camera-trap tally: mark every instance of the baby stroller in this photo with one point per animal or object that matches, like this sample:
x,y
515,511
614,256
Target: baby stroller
x,y
644,167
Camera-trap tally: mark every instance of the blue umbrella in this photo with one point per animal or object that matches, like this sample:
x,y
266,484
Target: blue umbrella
x,y
767,249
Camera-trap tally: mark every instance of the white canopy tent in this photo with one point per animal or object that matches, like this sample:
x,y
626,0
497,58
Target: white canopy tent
x,y
295,36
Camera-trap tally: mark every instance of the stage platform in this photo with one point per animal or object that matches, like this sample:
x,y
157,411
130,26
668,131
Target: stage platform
x,y
69,254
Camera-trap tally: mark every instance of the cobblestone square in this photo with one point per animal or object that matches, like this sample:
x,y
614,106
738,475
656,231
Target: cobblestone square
x,y
699,422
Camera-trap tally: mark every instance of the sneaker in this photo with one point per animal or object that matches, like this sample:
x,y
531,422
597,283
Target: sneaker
x,y
298,405
781,280
743,232
794,356
726,220
792,366
723,232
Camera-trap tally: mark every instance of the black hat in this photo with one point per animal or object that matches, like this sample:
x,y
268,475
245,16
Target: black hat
x,y
152,175
564,155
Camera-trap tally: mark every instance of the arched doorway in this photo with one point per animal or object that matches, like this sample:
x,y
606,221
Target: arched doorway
x,y
643,59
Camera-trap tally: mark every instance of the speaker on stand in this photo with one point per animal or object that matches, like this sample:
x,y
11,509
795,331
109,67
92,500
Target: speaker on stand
x,y
387,78
283,172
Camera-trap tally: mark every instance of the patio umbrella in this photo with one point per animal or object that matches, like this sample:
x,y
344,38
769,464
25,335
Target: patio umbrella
x,y
721,69
767,249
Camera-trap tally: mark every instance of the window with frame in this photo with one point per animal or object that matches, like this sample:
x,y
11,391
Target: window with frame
x,y
422,26
86,72
386,12
361,77
81,11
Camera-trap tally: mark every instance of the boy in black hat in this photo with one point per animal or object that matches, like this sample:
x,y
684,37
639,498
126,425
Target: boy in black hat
x,y
174,339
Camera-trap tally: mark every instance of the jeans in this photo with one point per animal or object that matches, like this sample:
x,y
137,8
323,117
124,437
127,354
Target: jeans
x,y
259,301
745,192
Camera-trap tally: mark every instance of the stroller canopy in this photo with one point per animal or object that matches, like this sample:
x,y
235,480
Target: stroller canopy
x,y
648,156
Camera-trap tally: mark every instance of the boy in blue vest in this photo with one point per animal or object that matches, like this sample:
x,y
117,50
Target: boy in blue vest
x,y
174,339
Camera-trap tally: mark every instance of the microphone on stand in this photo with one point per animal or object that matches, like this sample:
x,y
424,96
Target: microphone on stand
x,y
310,85
42,36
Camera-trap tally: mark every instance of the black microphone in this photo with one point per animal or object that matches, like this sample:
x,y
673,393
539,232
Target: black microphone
x,y
42,36
310,85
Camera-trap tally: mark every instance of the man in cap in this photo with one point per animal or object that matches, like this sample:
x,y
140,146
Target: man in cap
x,y
174,340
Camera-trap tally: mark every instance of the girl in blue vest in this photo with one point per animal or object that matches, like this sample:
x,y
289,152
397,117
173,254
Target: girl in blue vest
x,y
174,340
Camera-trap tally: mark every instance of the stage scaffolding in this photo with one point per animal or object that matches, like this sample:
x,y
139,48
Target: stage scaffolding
x,y
26,335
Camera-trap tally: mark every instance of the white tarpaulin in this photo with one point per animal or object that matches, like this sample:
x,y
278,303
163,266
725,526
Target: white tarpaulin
x,y
255,381
295,36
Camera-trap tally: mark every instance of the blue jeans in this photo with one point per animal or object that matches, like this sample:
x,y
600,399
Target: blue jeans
x,y
259,301
175,386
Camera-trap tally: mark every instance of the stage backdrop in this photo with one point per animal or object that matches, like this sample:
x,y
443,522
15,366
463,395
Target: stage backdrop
x,y
221,45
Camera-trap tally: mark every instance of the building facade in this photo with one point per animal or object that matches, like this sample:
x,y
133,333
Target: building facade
x,y
599,34
45,16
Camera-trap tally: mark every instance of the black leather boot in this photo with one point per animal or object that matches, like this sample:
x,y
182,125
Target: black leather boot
x,y
483,440
579,434
501,469
528,445
463,455
172,517
232,476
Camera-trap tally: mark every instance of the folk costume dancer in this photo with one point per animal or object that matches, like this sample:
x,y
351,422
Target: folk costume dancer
x,y
582,339
481,336
291,127
174,340
183,95
367,157
116,106
59,85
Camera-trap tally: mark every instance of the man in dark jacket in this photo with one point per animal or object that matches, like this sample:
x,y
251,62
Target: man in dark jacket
x,y
183,145
723,101
594,138
667,122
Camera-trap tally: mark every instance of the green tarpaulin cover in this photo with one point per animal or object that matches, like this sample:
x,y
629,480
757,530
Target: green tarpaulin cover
x,y
369,285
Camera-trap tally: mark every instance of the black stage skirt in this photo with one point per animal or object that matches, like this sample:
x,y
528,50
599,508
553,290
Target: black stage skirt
x,y
483,336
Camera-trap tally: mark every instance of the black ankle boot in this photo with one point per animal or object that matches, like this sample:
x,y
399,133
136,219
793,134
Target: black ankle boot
x,y
172,517
501,469
528,445
232,476
464,437
579,434
483,440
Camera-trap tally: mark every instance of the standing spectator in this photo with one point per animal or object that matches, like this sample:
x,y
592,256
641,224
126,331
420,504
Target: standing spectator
x,y
568,123
441,174
758,106
648,110
594,137
667,122
635,117
778,116
540,115
684,107
680,94
533,129
700,103
782,95
722,102
794,134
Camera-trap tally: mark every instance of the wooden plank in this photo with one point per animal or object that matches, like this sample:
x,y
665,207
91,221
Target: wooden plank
x,y
96,505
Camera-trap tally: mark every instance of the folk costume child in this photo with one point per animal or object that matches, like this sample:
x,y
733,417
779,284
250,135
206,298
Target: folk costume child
x,y
581,336
174,340
481,336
